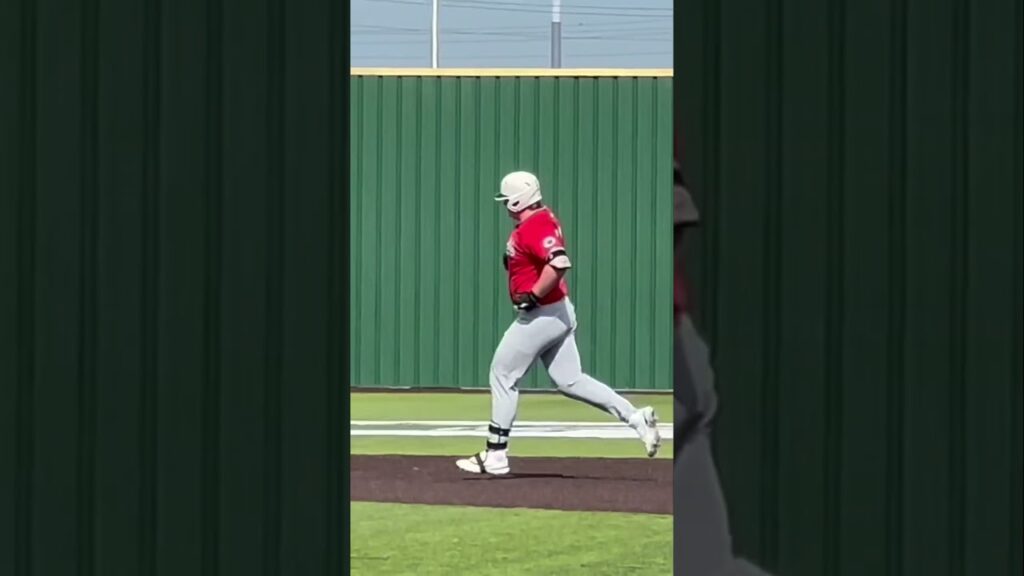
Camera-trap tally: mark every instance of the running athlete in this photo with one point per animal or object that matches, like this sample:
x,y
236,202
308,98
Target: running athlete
x,y
703,541
545,327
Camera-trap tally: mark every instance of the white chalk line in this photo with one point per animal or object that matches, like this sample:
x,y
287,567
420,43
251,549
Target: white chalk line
x,y
470,429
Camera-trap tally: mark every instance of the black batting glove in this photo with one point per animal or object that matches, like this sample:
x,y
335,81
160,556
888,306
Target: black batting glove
x,y
525,302
504,261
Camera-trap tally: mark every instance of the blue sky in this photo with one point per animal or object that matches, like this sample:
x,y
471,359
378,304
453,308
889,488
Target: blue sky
x,y
509,33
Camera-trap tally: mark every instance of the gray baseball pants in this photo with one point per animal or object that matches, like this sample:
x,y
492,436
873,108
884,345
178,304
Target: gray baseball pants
x,y
548,333
703,542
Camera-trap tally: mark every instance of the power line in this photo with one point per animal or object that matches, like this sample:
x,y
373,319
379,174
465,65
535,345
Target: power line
x,y
629,26
524,56
546,6
616,25
643,34
637,33
570,5
515,8
663,36
488,39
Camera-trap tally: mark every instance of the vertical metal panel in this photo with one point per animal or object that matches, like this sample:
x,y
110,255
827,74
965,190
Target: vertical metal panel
x,y
859,276
429,295
170,278
13,168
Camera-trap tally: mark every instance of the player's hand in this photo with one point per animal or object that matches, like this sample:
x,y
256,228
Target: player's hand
x,y
526,301
504,261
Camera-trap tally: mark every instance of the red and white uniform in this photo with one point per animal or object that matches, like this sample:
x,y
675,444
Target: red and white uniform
x,y
534,243
546,333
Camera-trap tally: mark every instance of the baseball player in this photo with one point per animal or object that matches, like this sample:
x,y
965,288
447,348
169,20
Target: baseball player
x,y
703,542
545,327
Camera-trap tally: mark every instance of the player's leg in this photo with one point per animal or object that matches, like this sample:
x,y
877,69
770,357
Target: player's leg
x,y
566,372
520,346
694,389
512,358
565,369
701,523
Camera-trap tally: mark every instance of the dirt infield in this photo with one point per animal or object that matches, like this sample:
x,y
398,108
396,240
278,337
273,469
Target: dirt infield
x,y
596,484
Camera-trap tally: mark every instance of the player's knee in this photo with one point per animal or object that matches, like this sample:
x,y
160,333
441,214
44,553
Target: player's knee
x,y
498,369
501,376
565,382
565,387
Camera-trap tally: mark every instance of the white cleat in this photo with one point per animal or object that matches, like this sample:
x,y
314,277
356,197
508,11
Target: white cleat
x,y
487,462
645,422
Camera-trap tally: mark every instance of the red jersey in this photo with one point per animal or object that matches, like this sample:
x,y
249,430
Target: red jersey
x,y
685,215
534,243
679,293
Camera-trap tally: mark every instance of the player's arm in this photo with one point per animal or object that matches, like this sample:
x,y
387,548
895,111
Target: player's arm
x,y
549,278
556,264
550,275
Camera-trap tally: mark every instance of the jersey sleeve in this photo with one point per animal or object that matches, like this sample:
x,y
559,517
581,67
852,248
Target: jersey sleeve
x,y
547,245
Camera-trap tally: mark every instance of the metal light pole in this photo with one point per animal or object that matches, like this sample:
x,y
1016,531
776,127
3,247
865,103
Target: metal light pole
x,y
433,36
556,33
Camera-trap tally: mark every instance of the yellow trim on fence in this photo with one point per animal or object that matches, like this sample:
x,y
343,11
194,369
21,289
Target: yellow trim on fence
x,y
534,72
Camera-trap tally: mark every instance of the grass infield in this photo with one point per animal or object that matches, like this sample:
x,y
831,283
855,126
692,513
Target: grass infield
x,y
476,406
407,539
422,540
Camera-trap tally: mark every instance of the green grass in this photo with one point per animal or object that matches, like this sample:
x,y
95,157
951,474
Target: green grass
x,y
404,539
556,447
415,540
477,406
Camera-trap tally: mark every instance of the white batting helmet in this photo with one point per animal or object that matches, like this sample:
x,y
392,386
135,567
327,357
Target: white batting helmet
x,y
519,190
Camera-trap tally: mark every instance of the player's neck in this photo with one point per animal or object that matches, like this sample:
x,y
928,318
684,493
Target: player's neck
x,y
525,214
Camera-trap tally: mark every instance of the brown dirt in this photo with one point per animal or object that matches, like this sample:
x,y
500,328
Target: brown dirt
x,y
599,484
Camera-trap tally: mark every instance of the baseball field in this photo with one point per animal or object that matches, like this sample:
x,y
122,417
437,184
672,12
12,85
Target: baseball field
x,y
581,499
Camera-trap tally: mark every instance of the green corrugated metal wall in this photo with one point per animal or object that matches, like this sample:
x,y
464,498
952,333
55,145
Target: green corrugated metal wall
x,y
171,340
859,275
428,293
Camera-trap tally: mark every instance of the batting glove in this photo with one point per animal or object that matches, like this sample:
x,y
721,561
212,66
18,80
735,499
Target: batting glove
x,y
525,302
504,261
